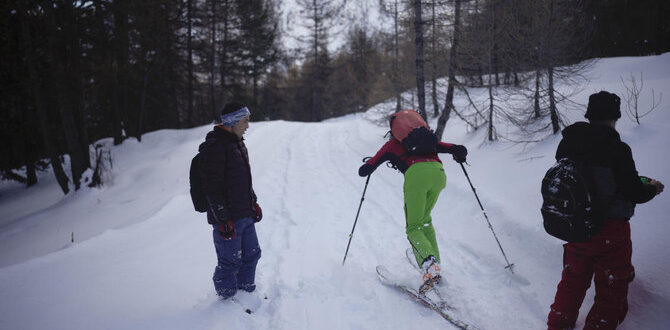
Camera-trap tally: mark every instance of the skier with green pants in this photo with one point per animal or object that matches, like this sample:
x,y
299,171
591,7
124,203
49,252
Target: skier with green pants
x,y
424,180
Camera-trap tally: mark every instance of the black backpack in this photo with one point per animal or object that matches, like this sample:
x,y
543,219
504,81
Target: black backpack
x,y
566,208
197,194
409,128
420,141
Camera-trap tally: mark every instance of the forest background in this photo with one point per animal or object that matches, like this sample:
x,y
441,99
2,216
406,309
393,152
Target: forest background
x,y
74,72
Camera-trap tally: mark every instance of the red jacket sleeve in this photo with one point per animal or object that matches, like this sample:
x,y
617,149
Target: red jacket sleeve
x,y
379,157
390,151
444,147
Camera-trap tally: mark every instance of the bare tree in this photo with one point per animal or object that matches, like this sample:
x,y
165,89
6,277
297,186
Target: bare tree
x,y
550,72
37,98
189,49
418,43
449,101
537,45
562,49
490,54
62,22
435,52
120,101
632,97
148,68
393,11
228,49
212,71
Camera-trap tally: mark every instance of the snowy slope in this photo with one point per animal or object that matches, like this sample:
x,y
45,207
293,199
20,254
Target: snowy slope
x,y
142,259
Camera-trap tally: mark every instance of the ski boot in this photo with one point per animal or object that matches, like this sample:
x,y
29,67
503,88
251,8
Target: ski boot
x,y
431,274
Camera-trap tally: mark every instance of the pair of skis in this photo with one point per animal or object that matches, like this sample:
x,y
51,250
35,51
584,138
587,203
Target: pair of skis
x,y
440,307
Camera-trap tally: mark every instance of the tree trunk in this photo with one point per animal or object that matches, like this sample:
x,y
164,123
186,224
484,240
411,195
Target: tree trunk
x,y
480,70
536,97
396,58
189,46
212,79
433,59
552,102
31,173
122,81
449,101
315,115
68,89
27,143
78,159
30,157
418,42
491,54
143,96
107,88
117,128
77,93
491,108
494,62
550,71
224,51
42,115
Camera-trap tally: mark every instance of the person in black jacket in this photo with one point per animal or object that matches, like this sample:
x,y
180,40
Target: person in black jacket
x,y
232,204
616,189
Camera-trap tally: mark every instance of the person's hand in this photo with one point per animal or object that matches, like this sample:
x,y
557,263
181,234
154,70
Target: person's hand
x,y
227,229
259,213
459,153
659,186
365,170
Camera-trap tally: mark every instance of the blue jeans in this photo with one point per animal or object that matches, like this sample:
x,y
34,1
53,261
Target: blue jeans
x,y
237,259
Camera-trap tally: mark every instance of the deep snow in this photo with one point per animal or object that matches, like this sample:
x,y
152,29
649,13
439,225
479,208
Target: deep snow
x,y
143,259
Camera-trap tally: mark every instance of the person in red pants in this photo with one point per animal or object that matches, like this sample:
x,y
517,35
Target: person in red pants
x,y
606,256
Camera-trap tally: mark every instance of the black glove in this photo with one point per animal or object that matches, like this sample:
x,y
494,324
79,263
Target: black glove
x,y
259,213
459,153
365,170
227,229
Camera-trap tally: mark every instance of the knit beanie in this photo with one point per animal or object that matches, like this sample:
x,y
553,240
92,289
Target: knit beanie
x,y
232,113
603,106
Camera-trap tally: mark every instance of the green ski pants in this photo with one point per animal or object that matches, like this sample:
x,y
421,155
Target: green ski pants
x,y
423,183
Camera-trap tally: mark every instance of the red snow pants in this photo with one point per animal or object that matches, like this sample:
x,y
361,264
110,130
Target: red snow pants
x,y
606,258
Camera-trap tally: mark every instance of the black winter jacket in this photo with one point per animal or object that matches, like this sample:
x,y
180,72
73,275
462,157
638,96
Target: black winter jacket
x,y
613,177
226,177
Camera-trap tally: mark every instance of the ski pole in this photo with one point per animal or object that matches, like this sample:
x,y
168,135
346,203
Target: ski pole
x,y
356,220
509,266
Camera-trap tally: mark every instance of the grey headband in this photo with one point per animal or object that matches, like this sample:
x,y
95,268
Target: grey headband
x,y
231,119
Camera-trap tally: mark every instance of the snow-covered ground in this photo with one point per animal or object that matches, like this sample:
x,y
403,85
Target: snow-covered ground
x,y
143,259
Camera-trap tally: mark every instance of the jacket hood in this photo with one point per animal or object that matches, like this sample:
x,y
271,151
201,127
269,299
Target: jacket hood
x,y
585,137
217,134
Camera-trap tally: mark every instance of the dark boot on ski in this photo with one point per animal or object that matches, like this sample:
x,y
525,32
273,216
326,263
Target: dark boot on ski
x,y
431,274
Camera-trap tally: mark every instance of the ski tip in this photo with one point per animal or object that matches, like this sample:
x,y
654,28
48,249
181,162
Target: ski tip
x,y
383,274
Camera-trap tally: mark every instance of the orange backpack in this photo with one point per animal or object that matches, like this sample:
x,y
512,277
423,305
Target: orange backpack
x,y
409,128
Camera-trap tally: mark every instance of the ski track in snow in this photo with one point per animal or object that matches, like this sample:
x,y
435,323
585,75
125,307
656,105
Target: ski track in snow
x,y
143,259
